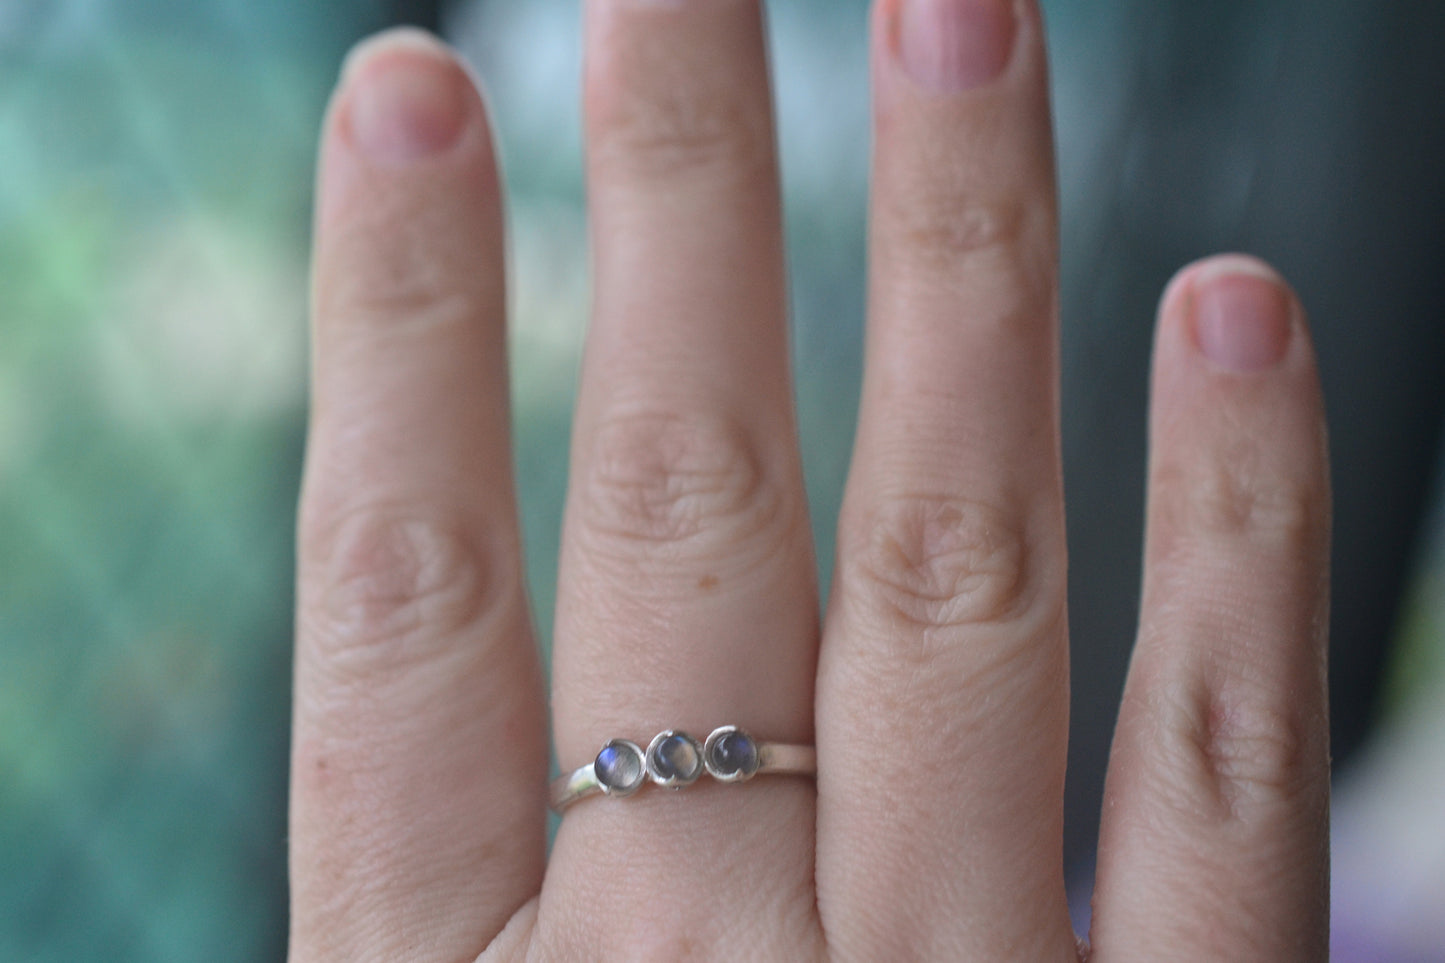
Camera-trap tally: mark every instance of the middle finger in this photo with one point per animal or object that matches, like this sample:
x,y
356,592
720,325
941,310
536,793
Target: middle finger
x,y
686,596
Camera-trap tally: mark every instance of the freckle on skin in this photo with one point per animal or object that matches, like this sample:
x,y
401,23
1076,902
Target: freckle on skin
x,y
707,582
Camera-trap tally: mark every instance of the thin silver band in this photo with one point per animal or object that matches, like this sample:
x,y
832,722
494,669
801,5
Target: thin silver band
x,y
674,759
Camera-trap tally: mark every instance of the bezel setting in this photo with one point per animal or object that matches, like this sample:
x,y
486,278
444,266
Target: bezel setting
x,y
629,785
669,772
725,739
674,759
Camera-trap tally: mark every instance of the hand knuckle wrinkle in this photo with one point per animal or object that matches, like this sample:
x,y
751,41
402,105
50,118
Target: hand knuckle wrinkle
x,y
1228,751
390,577
948,225
940,562
675,480
675,131
1235,496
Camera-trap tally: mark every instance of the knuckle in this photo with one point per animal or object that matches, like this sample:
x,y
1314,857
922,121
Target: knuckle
x,y
390,584
954,227
694,482
393,299
939,562
406,305
941,225
390,273
1234,749
672,130
1235,496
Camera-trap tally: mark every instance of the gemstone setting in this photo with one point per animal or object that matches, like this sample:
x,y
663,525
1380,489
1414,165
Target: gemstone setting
x,y
731,755
620,768
674,759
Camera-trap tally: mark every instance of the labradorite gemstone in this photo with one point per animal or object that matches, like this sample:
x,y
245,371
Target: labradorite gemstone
x,y
618,767
734,753
676,757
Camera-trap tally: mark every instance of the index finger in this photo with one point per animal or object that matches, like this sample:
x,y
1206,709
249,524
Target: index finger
x,y
419,756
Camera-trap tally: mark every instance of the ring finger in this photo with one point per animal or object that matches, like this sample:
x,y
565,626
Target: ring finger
x,y
686,595
943,689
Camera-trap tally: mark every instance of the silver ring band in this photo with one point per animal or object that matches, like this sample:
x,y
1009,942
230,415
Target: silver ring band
x,y
674,759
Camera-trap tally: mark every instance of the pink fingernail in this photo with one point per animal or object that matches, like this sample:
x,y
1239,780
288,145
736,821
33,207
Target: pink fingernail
x,y
408,98
955,45
1242,316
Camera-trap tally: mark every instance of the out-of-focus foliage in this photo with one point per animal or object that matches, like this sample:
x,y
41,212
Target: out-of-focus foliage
x,y
154,179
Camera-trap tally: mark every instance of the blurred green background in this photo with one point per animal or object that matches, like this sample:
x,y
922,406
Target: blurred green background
x,y
155,177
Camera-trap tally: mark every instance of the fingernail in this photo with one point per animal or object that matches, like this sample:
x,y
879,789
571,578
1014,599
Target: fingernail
x,y
407,97
955,45
1242,316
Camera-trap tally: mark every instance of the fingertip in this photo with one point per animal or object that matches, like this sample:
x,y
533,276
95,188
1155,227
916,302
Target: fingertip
x,y
403,97
408,194
1239,314
406,132
1233,354
949,46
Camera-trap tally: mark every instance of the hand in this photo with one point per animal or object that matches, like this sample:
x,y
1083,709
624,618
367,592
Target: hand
x,y
936,687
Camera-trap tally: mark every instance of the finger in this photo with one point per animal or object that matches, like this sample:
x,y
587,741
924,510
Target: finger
x,y
1215,832
944,680
418,770
687,591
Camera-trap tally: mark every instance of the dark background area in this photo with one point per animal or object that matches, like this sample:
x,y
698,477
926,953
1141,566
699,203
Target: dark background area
x,y
1312,135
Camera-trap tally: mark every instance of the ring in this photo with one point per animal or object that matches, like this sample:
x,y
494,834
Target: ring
x,y
674,759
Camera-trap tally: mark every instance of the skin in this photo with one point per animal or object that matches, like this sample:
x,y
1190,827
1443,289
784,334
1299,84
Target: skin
x,y
935,686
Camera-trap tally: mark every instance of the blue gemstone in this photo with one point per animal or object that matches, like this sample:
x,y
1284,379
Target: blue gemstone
x,y
675,758
733,754
618,767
